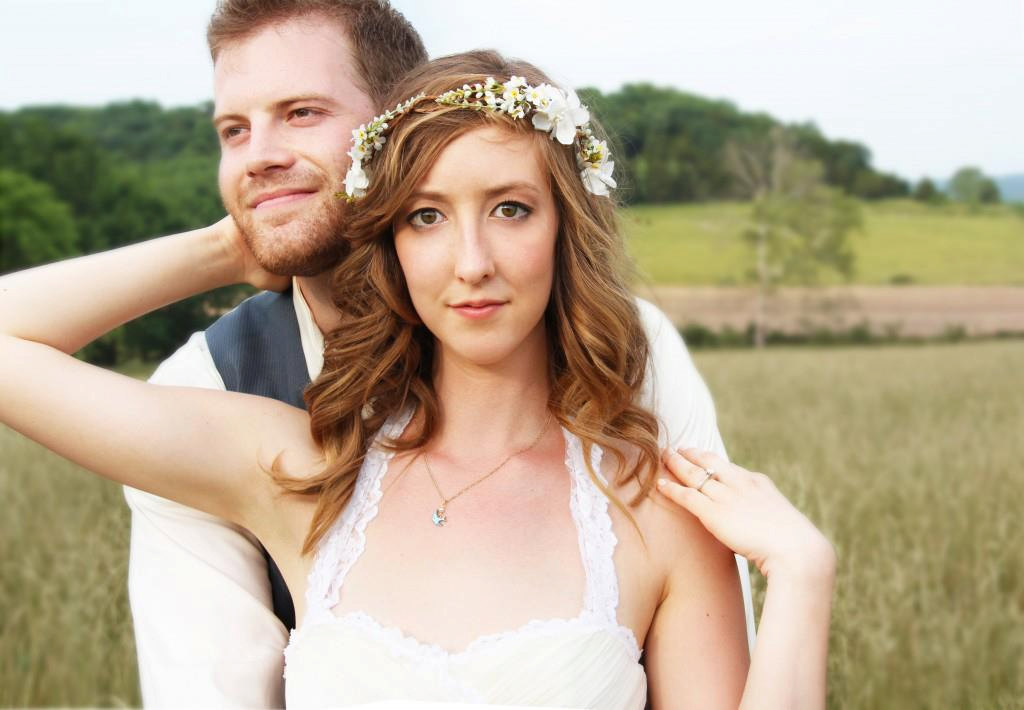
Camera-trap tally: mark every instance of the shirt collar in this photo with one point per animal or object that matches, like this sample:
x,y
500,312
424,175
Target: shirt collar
x,y
310,335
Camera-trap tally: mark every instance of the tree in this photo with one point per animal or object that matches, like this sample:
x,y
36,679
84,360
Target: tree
x,y
925,191
35,226
972,187
799,226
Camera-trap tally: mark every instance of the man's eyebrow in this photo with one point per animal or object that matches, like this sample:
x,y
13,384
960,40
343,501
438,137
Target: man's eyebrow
x,y
299,98
218,119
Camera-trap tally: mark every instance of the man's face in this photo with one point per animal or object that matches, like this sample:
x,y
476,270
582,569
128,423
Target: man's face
x,y
286,102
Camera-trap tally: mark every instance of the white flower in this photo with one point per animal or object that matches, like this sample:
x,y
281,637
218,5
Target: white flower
x,y
515,82
577,112
561,115
358,152
598,178
356,180
599,149
535,95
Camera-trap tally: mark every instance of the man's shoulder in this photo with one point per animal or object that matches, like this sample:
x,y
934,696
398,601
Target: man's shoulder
x,y
191,365
666,342
256,309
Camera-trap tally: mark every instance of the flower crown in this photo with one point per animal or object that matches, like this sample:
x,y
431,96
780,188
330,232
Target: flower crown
x,y
554,111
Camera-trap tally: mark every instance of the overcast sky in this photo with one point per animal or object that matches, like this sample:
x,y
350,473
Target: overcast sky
x,y
927,85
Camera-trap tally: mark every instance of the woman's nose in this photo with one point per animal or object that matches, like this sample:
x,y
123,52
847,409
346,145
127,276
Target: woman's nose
x,y
473,259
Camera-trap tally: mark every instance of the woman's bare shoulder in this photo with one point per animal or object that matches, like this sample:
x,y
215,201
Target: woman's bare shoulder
x,y
675,541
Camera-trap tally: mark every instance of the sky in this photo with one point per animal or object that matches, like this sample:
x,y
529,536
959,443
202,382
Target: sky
x,y
927,85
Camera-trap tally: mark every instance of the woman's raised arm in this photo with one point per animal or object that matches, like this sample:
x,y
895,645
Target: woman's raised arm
x,y
198,447
69,304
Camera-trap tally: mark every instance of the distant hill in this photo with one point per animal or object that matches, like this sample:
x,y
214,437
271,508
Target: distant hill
x,y
1011,187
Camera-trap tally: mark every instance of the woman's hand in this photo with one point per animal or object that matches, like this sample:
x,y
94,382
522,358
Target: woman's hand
x,y
748,514
249,270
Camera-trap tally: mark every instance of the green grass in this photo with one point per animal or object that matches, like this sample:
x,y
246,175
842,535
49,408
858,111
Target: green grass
x,y
909,458
700,245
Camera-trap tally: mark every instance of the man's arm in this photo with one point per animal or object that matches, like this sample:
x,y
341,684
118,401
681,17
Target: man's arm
x,y
677,395
205,631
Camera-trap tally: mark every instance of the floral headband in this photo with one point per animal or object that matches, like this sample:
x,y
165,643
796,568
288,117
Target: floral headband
x,y
554,111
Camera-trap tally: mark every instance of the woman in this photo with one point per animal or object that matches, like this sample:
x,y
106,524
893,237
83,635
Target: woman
x,y
488,347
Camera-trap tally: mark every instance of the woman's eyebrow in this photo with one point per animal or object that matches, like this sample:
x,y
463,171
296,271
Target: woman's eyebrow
x,y
511,187
488,193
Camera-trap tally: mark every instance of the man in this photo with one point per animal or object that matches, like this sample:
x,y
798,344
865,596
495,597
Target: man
x,y
292,78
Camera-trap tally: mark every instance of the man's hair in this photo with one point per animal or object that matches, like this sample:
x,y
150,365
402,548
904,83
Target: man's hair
x,y
385,46
381,359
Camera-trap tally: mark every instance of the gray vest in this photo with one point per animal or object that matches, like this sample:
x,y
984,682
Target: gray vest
x,y
257,350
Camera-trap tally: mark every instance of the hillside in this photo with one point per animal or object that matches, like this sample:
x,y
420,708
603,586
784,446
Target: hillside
x,y
903,242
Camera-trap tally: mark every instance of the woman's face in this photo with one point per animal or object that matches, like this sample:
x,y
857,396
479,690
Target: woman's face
x,y
476,242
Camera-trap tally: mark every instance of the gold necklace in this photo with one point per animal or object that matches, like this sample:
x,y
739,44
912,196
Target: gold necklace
x,y
440,516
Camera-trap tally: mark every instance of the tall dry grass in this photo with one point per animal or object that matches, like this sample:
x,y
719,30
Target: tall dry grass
x,y
65,631
911,460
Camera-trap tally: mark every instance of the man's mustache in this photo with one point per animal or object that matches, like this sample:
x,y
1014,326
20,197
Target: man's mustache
x,y
306,181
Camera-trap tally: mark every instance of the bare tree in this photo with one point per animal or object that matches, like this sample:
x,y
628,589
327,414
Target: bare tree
x,y
798,225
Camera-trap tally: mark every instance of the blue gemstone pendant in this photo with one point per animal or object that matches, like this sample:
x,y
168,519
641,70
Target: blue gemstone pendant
x,y
439,517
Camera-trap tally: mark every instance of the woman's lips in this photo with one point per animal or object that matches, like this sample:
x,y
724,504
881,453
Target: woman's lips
x,y
478,310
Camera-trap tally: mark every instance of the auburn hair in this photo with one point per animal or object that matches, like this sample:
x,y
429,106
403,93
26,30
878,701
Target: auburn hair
x,y
385,46
380,360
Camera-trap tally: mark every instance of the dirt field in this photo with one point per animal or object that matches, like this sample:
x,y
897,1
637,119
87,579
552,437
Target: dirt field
x,y
903,310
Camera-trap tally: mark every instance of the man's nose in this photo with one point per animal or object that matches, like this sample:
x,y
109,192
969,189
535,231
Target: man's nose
x,y
268,152
474,260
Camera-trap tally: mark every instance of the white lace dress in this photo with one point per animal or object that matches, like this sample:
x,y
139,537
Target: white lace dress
x,y
587,661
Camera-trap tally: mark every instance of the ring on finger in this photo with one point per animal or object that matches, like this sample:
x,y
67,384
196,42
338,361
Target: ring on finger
x,y
709,473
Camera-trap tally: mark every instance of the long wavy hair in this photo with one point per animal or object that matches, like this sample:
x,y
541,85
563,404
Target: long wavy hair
x,y
380,360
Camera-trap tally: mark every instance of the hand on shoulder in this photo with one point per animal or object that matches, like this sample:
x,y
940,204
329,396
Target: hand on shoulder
x,y
747,513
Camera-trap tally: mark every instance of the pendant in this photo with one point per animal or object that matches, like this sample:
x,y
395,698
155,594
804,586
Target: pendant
x,y
439,517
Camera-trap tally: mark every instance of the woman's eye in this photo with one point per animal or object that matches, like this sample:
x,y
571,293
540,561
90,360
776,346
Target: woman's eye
x,y
511,210
426,217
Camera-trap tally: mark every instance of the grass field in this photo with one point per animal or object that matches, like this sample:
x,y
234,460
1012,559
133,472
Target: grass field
x,y
902,241
909,458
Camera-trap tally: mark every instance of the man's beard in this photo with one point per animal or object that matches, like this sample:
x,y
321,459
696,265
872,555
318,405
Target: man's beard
x,y
304,242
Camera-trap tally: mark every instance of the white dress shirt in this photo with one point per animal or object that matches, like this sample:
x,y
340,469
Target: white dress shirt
x,y
205,630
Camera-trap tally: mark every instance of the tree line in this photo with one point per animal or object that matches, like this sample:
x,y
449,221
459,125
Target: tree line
x,y
79,180
76,180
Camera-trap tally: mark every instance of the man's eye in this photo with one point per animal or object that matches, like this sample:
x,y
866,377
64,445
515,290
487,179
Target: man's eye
x,y
511,210
304,113
426,217
231,132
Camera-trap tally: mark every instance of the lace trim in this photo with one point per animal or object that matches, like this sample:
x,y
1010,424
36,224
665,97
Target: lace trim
x,y
404,645
347,538
597,540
